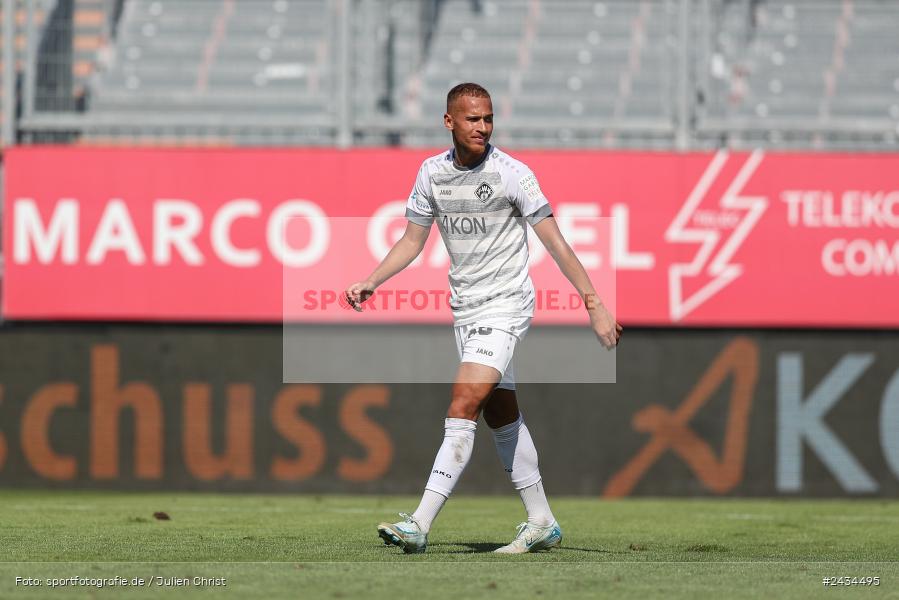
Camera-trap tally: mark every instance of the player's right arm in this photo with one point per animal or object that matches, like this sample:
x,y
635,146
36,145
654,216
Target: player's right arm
x,y
420,216
404,251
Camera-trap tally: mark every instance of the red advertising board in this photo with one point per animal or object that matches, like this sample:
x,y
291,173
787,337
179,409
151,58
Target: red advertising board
x,y
736,239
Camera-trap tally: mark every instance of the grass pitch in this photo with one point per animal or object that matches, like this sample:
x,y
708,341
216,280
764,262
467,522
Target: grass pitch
x,y
279,546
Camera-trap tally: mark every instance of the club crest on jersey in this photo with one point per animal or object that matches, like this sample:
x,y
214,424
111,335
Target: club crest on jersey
x,y
484,192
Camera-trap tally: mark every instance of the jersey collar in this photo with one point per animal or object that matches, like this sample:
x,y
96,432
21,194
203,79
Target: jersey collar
x,y
488,149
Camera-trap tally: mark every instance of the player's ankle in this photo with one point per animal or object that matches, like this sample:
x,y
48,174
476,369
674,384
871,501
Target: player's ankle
x,y
541,520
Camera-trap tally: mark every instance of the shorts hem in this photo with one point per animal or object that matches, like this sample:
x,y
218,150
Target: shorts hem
x,y
484,363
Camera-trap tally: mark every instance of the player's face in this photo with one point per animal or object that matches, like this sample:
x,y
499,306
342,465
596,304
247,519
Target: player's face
x,y
470,119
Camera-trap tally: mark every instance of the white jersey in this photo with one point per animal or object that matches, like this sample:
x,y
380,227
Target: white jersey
x,y
481,214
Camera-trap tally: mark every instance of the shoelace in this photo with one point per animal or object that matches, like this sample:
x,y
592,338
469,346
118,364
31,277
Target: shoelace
x,y
521,529
410,519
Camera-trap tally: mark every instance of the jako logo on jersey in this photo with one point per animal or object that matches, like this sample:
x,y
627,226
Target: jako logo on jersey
x,y
446,192
447,475
464,225
484,192
482,351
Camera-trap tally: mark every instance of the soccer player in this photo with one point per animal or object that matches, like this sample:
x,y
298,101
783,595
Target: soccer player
x,y
480,197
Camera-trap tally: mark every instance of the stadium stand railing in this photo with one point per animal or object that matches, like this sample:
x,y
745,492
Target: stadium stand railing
x,y
688,74
820,74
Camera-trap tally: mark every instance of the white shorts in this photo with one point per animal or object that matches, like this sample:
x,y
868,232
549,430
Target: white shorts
x,y
492,343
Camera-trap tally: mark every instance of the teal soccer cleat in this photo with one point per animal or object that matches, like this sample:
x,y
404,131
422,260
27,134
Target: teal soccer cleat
x,y
406,534
531,538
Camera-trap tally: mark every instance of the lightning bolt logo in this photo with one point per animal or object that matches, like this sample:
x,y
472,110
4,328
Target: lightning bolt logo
x,y
712,260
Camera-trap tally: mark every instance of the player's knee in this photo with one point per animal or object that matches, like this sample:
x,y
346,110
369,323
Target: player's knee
x,y
501,409
467,402
496,417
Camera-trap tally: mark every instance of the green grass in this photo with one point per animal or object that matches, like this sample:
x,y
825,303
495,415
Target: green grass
x,y
273,546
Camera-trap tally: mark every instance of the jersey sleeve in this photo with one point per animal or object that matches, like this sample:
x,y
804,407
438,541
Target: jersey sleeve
x,y
418,207
527,196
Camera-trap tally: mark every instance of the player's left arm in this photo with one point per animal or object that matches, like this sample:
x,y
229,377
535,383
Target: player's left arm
x,y
527,196
601,320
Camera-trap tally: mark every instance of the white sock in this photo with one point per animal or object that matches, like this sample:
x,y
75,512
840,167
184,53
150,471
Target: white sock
x,y
519,457
452,458
536,505
428,508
